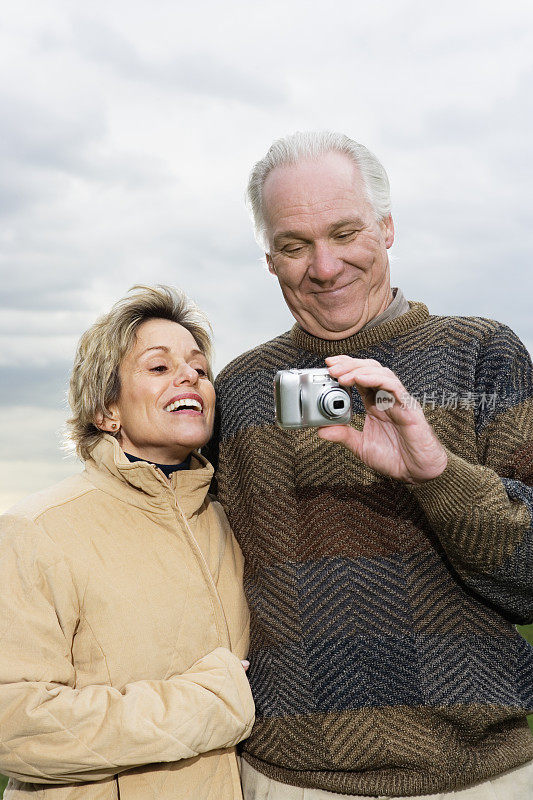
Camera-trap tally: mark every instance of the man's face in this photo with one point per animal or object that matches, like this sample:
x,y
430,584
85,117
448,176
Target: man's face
x,y
326,248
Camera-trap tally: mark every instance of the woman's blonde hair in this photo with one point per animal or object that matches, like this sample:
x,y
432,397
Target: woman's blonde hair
x,y
95,377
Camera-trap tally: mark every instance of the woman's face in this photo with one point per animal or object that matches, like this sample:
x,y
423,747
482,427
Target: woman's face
x,y
167,402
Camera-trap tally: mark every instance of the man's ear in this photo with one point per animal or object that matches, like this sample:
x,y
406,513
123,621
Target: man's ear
x,y
270,264
389,231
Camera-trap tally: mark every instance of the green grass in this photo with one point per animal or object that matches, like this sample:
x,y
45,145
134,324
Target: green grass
x,y
525,630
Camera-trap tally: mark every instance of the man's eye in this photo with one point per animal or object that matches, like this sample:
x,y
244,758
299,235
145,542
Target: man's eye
x,y
293,250
159,368
344,235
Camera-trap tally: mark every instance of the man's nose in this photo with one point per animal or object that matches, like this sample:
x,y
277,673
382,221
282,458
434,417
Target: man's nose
x,y
325,264
185,374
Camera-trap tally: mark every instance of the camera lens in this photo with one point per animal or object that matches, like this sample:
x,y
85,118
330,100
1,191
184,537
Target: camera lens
x,y
334,403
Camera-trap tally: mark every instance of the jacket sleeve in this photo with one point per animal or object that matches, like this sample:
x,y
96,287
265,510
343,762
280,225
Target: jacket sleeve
x,y
482,513
51,732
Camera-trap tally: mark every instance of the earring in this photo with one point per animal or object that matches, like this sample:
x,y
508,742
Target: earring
x,y
113,425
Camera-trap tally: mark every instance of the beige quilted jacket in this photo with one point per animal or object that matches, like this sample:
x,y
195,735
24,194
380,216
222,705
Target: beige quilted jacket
x,y
122,626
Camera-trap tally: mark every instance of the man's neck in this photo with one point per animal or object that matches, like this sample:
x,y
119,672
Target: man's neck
x,y
395,308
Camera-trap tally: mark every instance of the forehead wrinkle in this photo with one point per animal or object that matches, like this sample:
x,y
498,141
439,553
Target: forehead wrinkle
x,y
310,205
330,210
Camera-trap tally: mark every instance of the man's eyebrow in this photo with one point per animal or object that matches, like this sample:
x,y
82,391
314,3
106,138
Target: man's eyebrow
x,y
279,237
357,221
282,235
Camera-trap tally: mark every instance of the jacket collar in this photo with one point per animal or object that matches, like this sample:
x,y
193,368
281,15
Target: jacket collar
x,y
142,484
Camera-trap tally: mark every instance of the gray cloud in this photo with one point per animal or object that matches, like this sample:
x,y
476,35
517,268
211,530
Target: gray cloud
x,y
208,73
36,134
44,387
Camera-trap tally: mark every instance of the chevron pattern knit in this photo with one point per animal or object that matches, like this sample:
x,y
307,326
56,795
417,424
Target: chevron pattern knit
x,y
384,658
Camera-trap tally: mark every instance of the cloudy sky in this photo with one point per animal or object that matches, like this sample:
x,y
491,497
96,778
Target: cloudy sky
x,y
128,129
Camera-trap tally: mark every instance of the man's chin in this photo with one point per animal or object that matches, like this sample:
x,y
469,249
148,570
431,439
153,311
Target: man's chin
x,y
329,329
337,322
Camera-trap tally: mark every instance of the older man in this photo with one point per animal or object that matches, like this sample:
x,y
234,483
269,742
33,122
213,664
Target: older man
x,y
384,578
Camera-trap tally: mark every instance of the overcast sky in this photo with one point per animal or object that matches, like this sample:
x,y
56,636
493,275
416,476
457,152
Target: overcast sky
x,y
128,130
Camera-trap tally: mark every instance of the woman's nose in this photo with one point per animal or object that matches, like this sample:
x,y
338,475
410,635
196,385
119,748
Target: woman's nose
x,y
185,374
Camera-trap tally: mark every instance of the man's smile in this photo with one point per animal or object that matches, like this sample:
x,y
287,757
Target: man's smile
x,y
331,292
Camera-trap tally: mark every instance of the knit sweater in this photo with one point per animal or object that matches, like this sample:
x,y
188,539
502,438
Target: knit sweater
x,y
384,658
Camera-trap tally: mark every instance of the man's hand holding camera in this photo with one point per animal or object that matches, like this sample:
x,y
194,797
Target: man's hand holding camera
x,y
396,439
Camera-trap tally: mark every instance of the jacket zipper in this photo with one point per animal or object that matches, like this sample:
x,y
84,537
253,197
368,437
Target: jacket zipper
x,y
222,632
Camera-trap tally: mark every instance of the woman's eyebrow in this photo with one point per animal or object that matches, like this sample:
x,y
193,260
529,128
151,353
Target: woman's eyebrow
x,y
191,354
155,347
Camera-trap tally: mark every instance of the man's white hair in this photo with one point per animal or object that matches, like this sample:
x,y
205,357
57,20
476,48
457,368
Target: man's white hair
x,y
307,145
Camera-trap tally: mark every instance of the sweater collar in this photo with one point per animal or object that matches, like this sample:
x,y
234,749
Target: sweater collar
x,y
367,337
142,484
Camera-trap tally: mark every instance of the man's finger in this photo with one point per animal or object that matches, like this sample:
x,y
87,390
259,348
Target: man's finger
x,y
372,382
359,362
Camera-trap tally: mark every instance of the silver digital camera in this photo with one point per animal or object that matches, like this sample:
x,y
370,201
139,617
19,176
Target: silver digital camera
x,y
310,398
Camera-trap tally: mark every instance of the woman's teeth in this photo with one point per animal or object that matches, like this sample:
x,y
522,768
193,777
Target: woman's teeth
x,y
186,402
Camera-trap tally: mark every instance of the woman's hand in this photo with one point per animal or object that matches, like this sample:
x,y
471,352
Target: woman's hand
x,y
396,439
245,665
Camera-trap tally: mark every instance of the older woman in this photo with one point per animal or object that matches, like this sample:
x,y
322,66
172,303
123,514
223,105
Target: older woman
x,y
122,618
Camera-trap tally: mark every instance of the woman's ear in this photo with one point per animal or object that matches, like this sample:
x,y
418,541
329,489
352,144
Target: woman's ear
x,y
110,424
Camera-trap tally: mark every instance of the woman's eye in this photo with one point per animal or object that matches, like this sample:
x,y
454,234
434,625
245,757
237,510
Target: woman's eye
x,y
159,368
201,372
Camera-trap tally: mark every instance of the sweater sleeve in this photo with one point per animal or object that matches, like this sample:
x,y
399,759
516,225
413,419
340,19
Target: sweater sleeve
x,y
52,732
482,513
